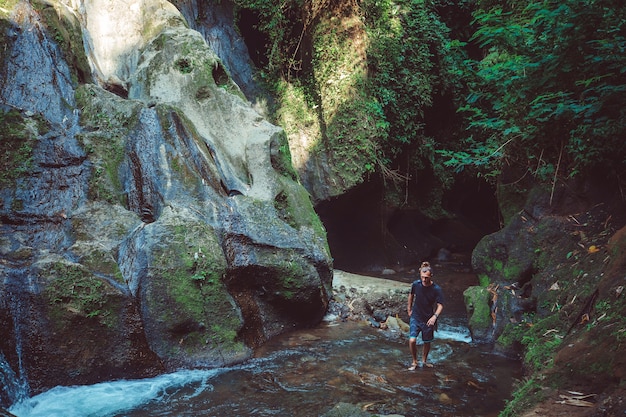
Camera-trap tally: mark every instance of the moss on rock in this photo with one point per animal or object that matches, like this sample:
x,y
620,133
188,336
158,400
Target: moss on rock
x,y
17,141
65,29
107,120
187,306
480,322
71,291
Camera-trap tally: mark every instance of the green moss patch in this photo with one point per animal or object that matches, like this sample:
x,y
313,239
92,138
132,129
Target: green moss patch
x,y
477,302
73,291
17,139
108,120
187,293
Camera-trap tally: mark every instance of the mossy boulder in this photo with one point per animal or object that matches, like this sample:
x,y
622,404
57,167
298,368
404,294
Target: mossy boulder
x,y
507,256
187,310
83,326
478,306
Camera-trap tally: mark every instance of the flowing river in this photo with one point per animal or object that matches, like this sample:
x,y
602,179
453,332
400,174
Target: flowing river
x,y
308,372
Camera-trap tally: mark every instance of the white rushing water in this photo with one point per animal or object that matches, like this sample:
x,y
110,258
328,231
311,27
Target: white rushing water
x,y
453,332
111,398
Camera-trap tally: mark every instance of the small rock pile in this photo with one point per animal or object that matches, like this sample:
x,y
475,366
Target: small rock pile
x,y
381,302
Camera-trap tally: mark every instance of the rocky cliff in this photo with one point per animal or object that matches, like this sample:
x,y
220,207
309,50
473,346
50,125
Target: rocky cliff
x,y
151,217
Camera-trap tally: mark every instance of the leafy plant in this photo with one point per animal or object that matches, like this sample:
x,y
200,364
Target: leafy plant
x,y
405,56
528,392
359,77
548,96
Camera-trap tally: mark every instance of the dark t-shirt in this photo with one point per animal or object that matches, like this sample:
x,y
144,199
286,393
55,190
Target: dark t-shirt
x,y
424,300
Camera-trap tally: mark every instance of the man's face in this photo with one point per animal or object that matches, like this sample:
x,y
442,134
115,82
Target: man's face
x,y
425,276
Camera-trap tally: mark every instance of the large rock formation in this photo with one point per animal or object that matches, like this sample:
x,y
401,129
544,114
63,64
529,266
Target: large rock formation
x,y
151,217
548,261
553,293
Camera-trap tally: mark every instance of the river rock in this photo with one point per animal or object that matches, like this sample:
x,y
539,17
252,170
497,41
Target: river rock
x,y
351,410
346,410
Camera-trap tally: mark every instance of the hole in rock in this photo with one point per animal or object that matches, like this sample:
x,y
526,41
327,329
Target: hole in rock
x,y
183,65
365,234
220,75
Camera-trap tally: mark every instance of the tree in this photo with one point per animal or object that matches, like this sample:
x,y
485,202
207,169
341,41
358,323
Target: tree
x,y
549,93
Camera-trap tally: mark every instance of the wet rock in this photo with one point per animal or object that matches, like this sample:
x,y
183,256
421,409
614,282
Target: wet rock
x,y
346,410
374,323
378,302
148,233
360,306
379,316
337,310
351,410
396,324
5,413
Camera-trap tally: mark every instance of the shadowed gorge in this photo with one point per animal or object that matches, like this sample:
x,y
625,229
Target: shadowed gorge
x,y
220,206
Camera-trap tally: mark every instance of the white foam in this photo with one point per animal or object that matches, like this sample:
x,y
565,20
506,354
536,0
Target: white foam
x,y
453,332
109,398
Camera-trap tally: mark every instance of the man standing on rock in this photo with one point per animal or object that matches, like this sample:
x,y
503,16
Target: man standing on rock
x,y
424,296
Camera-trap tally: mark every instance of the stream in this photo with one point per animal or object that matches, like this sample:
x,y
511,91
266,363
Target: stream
x,y
308,372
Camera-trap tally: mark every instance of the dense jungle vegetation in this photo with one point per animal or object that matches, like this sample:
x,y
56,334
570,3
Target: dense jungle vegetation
x,y
450,87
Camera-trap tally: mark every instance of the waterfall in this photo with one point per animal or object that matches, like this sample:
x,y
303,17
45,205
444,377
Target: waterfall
x,y
14,384
15,388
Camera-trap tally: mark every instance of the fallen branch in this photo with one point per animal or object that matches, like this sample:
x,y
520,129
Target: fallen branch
x,y
576,399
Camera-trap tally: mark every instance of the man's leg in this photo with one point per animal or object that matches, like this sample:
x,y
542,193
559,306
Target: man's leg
x,y
414,330
425,351
413,350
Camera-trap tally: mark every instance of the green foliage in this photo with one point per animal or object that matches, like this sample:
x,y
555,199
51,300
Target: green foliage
x,y
549,94
282,23
528,392
6,6
540,338
412,62
359,78
16,146
405,57
612,312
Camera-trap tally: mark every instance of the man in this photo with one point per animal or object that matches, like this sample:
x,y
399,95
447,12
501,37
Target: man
x,y
425,295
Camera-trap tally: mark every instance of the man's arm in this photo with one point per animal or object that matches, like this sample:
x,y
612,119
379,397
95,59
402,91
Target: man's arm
x,y
409,305
439,309
433,319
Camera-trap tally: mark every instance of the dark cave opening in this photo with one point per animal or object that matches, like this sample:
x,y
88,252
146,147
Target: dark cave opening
x,y
367,235
255,40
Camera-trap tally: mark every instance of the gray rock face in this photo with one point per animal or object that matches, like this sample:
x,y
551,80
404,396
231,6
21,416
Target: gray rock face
x,y
151,226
